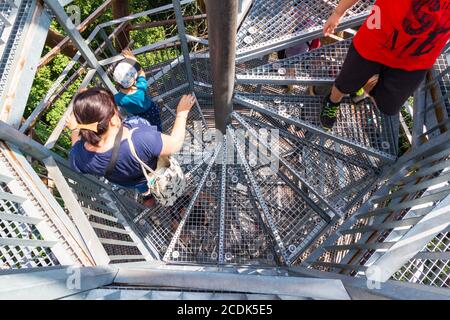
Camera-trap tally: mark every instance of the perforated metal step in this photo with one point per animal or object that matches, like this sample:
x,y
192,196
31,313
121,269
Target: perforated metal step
x,y
273,25
290,219
362,127
159,224
335,178
103,214
230,214
320,66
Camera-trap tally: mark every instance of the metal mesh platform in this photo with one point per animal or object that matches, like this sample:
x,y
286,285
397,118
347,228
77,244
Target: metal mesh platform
x,y
196,239
320,66
362,127
246,238
223,219
336,178
279,24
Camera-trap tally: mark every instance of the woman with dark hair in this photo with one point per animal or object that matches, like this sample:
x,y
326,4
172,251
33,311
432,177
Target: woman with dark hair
x,y
95,124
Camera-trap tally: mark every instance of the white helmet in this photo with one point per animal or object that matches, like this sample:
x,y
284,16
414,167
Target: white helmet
x,y
125,74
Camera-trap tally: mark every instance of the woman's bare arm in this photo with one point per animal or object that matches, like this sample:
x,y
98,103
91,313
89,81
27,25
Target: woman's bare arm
x,y
173,143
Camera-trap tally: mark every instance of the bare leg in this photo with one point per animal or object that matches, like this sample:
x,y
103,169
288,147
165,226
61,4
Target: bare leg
x,y
336,95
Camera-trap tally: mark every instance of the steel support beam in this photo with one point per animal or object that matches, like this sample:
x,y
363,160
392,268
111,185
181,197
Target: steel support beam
x,y
222,24
79,42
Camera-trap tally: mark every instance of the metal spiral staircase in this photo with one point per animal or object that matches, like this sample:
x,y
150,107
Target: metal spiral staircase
x,y
340,216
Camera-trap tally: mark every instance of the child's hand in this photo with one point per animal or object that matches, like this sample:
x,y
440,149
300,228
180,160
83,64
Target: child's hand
x,y
128,54
71,122
185,105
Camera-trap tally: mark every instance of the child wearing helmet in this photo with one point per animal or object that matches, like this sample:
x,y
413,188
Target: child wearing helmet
x,y
132,94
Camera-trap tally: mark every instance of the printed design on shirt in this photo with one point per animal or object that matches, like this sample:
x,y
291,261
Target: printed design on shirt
x,y
421,28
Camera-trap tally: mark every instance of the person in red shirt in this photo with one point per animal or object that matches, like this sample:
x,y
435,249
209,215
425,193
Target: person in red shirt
x,y
390,54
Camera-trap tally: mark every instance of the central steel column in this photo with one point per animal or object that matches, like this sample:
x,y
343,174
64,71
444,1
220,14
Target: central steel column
x,y
222,28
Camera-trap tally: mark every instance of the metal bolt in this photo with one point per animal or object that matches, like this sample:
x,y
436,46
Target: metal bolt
x,y
248,40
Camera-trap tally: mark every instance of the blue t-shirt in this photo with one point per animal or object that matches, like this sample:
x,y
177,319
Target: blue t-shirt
x,y
127,173
136,102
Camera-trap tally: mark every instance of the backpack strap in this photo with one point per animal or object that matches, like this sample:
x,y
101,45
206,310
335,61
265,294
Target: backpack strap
x,y
144,166
115,153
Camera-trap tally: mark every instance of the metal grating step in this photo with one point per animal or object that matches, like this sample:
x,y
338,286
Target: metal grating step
x,y
442,67
320,66
243,235
333,177
288,217
8,11
159,224
22,243
196,237
272,25
362,127
131,293
103,216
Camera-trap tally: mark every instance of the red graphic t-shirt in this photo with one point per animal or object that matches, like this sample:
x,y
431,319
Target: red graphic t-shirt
x,y
410,34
